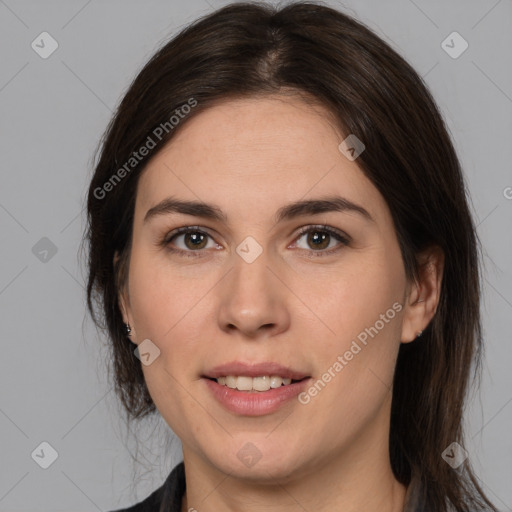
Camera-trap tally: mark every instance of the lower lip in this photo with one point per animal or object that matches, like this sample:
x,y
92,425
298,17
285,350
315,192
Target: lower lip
x,y
255,403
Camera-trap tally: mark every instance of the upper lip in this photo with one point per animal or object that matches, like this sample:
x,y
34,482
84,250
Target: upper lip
x,y
239,368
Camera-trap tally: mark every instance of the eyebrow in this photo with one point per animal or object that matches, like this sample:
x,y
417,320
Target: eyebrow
x,y
287,212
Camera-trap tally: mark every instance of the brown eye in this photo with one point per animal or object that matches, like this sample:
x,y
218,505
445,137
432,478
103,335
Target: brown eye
x,y
195,240
320,238
187,241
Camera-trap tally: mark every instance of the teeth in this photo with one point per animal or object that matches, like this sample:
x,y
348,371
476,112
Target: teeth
x,y
244,383
231,382
276,381
260,383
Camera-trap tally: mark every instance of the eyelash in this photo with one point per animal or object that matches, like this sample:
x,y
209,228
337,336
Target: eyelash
x,y
304,230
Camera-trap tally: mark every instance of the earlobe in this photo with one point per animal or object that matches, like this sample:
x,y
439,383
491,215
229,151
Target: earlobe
x,y
424,295
128,324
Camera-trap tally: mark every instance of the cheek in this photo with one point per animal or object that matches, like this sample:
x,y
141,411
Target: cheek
x,y
363,309
159,298
167,309
163,305
349,300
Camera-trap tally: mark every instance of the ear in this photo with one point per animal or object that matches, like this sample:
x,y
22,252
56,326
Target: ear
x,y
124,299
422,297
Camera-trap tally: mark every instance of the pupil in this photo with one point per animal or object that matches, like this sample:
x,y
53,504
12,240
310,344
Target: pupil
x,y
195,237
318,238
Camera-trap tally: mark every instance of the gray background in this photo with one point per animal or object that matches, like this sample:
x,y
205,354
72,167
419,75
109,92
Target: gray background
x,y
52,113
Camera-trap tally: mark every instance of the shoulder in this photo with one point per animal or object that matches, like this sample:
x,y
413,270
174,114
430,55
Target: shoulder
x,y
150,504
170,493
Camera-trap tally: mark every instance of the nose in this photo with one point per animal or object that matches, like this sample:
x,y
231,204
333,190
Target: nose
x,y
253,299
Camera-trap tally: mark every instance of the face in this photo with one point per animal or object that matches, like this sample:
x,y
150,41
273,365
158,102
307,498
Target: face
x,y
320,293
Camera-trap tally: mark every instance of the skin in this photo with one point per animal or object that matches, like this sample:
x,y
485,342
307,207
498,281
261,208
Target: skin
x,y
250,157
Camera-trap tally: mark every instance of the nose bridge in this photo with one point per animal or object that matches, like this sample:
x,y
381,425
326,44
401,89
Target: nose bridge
x,y
253,296
250,273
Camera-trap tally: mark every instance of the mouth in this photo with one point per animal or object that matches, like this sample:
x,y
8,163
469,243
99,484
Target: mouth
x,y
257,384
259,395
254,377
254,389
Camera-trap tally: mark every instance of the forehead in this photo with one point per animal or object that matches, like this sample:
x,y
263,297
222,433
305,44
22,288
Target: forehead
x,y
254,151
270,126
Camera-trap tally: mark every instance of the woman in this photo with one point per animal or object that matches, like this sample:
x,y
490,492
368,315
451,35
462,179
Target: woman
x,y
278,223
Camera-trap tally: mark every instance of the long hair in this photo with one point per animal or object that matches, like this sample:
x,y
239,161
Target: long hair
x,y
255,49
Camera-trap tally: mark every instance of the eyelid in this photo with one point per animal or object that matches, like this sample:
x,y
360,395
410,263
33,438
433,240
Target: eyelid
x,y
165,242
185,229
342,238
322,227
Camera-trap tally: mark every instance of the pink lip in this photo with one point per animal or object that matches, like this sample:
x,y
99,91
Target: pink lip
x,y
254,403
237,368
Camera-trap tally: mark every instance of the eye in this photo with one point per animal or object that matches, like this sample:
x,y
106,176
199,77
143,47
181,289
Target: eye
x,y
193,240
320,237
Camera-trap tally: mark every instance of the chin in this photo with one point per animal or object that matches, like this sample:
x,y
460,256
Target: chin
x,y
276,467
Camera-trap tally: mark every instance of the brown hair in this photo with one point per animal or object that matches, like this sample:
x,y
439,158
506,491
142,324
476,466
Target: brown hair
x,y
248,49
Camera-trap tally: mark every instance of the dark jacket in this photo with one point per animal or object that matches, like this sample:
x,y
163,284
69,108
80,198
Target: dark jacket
x,y
167,498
